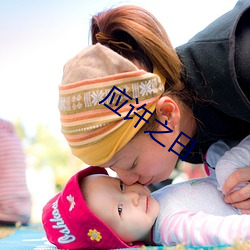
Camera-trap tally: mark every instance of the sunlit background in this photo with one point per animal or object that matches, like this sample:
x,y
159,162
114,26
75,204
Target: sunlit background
x,y
36,39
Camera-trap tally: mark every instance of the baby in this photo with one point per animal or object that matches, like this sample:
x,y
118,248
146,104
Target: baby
x,y
96,211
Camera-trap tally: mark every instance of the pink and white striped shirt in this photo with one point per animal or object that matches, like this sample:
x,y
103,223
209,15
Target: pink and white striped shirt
x,y
15,200
194,212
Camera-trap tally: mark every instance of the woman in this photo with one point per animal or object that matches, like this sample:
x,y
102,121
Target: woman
x,y
206,95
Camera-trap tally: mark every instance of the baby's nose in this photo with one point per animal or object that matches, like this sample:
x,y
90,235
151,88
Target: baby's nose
x,y
133,198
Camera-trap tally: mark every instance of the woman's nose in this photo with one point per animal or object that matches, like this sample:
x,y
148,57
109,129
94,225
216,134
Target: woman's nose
x,y
126,177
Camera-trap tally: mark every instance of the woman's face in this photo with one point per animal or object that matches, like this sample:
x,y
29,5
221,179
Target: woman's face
x,y
145,161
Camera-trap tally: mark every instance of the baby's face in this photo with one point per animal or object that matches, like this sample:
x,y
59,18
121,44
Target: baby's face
x,y
130,211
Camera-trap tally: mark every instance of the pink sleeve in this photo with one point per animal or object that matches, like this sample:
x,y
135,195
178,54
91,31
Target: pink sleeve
x,y
15,200
201,229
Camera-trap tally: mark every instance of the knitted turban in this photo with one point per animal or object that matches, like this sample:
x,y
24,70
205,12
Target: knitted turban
x,y
99,91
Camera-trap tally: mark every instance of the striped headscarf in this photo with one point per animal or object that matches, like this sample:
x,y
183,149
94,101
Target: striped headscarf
x,y
96,82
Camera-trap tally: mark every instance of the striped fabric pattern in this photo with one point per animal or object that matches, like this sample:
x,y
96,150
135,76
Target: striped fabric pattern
x,y
202,229
85,121
15,200
99,89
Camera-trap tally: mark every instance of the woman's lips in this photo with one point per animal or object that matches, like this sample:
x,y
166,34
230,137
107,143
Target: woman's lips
x,y
148,183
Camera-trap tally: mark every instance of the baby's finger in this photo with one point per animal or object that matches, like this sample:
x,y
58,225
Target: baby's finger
x,y
237,177
240,195
244,206
245,211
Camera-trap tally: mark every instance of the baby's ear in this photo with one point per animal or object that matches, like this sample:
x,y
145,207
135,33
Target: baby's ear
x,y
168,109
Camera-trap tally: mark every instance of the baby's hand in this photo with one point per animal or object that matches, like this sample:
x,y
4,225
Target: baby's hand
x,y
241,197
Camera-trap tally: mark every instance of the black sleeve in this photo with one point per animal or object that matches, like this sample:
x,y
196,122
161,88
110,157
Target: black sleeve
x,y
216,64
217,58
242,53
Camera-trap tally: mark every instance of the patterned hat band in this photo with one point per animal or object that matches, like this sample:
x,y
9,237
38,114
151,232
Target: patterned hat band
x,y
93,109
83,113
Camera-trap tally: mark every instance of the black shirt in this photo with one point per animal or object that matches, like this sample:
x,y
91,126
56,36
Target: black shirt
x,y
217,67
